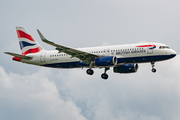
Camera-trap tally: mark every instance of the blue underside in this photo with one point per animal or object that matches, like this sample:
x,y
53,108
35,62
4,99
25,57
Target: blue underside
x,y
120,60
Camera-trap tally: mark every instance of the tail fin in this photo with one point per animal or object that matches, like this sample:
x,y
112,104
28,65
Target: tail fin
x,y
27,42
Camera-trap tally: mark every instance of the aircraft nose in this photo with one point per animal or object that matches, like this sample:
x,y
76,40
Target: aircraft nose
x,y
173,53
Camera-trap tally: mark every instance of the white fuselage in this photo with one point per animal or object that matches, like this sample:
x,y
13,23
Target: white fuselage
x,y
130,53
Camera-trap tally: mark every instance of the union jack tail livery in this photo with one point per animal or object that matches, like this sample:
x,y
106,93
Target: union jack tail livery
x,y
27,42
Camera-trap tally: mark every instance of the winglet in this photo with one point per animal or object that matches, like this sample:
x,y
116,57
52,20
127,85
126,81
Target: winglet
x,y
41,36
44,39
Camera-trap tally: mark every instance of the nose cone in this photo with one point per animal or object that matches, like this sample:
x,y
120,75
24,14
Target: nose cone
x,y
173,53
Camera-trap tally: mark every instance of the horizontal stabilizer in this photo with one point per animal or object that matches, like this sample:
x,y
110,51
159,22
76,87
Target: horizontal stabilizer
x,y
18,55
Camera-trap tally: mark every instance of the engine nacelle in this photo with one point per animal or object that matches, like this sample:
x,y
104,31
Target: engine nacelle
x,y
127,68
106,61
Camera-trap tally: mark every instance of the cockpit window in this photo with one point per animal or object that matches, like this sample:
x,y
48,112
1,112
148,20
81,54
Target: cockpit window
x,y
163,47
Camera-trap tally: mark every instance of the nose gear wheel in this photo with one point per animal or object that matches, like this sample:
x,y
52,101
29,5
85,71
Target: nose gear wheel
x,y
153,69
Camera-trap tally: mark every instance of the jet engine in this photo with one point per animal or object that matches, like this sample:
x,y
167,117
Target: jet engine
x,y
127,68
106,61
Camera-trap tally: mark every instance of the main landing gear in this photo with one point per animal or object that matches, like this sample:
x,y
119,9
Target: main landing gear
x,y
90,72
104,75
153,69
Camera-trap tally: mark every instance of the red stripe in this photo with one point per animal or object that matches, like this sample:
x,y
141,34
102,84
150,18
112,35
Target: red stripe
x,y
17,59
146,46
34,50
22,34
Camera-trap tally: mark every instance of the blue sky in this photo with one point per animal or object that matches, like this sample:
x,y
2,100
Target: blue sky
x,y
32,92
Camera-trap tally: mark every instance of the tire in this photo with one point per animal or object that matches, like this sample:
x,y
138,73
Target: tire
x,y
104,76
153,70
90,72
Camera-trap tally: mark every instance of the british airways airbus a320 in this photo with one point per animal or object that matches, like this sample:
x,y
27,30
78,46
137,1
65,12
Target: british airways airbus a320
x,y
123,58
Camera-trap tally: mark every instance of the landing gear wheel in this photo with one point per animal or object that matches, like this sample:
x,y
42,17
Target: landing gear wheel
x,y
153,70
104,76
90,72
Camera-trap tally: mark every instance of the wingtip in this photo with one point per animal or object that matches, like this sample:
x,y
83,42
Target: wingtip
x,y
38,31
41,36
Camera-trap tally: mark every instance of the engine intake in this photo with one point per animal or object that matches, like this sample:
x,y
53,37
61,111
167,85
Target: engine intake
x,y
127,68
106,61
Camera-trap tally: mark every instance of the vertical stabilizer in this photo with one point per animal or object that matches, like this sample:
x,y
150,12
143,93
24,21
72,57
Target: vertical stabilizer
x,y
27,43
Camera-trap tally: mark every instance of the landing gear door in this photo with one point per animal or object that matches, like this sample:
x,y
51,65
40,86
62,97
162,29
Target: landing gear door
x,y
42,57
150,49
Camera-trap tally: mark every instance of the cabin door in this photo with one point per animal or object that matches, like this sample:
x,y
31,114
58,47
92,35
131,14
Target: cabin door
x,y
42,57
150,49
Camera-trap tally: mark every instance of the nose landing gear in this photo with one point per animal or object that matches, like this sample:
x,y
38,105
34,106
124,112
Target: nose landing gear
x,y
153,69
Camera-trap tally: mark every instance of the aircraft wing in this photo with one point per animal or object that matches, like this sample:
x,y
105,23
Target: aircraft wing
x,y
84,56
18,55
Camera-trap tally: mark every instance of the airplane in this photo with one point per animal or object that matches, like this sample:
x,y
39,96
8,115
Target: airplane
x,y
123,58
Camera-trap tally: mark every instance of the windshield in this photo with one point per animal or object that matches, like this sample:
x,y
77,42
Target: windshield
x,y
163,47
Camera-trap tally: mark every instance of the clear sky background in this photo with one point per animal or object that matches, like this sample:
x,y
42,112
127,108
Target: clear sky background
x,y
30,92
